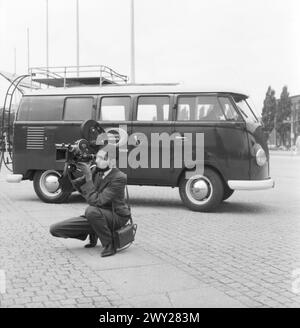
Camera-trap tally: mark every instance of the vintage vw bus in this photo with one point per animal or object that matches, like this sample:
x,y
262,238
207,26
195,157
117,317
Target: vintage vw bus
x,y
235,155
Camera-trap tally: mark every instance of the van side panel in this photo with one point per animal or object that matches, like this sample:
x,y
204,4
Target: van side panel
x,y
35,134
225,147
34,144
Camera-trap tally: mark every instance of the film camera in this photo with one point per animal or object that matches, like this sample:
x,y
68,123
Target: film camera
x,y
82,150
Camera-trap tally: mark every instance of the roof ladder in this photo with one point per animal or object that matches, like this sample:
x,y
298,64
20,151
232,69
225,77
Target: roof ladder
x,y
5,132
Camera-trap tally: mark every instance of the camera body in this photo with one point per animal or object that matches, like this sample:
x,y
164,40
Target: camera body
x,y
80,151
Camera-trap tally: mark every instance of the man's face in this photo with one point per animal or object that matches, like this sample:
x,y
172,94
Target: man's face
x,y
102,160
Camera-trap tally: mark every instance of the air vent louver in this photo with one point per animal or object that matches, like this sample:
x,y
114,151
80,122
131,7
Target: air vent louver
x,y
35,138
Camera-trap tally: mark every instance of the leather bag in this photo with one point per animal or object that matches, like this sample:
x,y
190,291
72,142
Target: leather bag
x,y
125,236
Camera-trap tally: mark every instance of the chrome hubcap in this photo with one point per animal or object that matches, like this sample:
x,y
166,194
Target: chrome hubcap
x,y
49,183
199,190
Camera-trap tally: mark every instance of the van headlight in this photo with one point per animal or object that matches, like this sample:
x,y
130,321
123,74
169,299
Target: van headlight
x,y
261,157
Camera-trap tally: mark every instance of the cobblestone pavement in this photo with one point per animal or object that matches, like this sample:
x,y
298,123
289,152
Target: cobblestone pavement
x,y
42,274
249,249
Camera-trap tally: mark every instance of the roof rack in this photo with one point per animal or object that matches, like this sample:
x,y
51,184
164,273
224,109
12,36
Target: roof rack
x,y
71,76
153,84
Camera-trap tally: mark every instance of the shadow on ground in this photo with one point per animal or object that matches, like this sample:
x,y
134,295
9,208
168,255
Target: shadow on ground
x,y
241,207
225,207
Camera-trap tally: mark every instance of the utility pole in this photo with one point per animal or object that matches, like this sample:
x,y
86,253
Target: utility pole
x,y
132,43
15,61
47,38
77,36
28,52
15,74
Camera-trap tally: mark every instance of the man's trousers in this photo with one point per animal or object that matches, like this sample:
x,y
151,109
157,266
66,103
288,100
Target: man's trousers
x,y
95,220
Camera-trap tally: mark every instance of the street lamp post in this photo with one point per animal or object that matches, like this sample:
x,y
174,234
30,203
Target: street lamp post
x,y
47,38
15,61
132,43
28,51
77,36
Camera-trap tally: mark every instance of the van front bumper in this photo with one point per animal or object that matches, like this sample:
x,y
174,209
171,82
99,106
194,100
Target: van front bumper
x,y
251,184
14,178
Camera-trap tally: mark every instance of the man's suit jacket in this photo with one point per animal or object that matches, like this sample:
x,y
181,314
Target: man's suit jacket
x,y
105,192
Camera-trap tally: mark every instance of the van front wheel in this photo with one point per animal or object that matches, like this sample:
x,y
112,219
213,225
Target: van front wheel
x,y
227,192
202,193
47,188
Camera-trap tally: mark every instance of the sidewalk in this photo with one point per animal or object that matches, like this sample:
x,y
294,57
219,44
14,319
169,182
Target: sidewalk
x,y
284,153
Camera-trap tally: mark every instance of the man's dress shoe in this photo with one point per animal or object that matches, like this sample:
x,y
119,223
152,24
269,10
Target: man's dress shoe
x,y
108,250
93,241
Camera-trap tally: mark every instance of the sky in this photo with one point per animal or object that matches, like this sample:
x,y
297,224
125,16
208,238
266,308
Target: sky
x,y
243,45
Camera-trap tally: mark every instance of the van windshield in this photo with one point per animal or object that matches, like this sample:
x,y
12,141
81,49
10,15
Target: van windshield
x,y
248,114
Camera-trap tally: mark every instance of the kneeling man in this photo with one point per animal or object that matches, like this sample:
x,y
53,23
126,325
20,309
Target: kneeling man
x,y
104,190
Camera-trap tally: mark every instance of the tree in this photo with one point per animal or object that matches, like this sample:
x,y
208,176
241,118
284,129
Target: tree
x,y
269,111
283,115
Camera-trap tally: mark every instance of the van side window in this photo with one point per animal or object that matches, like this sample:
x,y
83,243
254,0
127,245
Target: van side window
x,y
229,111
153,108
40,108
78,109
199,108
115,109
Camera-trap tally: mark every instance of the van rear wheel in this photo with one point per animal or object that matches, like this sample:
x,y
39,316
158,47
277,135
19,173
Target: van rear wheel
x,y
202,193
47,188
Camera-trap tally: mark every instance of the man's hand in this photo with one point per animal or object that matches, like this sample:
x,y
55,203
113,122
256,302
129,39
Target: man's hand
x,y
85,169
